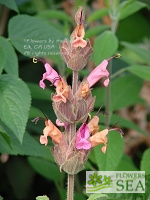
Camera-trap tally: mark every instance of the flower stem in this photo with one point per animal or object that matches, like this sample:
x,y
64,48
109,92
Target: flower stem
x,y
70,189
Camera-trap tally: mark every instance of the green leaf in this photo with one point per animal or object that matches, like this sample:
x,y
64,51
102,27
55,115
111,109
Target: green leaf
x,y
11,64
3,58
15,103
126,164
42,198
45,168
29,147
124,92
145,163
98,14
97,197
128,8
18,171
105,46
5,136
39,93
140,70
125,123
10,4
55,14
95,31
114,152
1,198
34,37
143,53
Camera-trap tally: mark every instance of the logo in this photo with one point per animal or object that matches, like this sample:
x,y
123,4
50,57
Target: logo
x,y
115,182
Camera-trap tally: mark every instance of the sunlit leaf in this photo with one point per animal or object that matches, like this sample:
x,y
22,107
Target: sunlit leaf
x,y
127,8
105,46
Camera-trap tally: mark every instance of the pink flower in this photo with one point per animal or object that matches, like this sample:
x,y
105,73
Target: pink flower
x,y
50,75
81,138
99,72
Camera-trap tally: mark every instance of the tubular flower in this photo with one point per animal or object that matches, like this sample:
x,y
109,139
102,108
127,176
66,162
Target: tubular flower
x,y
62,91
99,72
100,138
77,37
52,131
50,75
85,90
93,125
81,138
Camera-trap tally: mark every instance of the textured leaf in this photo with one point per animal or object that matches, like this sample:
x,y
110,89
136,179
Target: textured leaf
x,y
11,64
10,4
97,15
34,37
105,46
145,163
3,58
45,168
140,70
98,197
14,104
114,152
128,8
143,53
5,136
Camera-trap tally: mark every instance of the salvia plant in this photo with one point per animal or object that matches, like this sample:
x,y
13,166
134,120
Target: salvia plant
x,y
73,105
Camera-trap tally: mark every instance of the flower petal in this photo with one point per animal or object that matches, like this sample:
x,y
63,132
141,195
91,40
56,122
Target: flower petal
x,y
50,75
99,72
93,125
82,136
99,138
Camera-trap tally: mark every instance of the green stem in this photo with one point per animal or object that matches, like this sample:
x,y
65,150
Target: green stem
x,y
70,188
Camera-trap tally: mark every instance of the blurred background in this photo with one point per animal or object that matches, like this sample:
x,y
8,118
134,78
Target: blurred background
x,y
31,28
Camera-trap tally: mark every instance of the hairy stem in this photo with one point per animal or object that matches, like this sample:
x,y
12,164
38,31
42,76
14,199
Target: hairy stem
x,y
70,189
75,82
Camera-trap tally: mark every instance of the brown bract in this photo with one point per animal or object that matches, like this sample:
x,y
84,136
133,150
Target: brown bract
x,y
68,158
75,57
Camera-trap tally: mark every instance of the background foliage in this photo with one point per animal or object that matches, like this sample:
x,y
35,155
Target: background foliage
x,y
27,168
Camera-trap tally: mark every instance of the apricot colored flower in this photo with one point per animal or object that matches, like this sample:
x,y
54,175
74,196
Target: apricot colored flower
x,y
99,138
93,125
81,138
77,37
50,75
85,90
52,131
99,72
62,91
